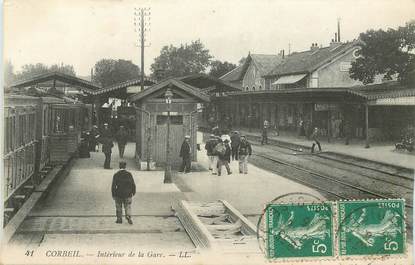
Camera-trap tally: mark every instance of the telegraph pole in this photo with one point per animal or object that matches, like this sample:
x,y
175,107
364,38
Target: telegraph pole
x,y
142,26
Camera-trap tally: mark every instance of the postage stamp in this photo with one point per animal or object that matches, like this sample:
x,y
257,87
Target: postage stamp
x,y
371,227
299,230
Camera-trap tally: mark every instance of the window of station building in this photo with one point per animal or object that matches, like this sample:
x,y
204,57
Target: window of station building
x,y
247,88
174,120
253,88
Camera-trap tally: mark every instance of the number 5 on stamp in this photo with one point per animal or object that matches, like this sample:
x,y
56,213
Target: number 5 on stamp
x,y
371,227
304,230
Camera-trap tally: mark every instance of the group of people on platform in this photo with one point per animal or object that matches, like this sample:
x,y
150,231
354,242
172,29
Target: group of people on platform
x,y
221,150
106,138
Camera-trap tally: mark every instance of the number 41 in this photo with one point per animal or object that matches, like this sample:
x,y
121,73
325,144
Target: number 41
x,y
29,253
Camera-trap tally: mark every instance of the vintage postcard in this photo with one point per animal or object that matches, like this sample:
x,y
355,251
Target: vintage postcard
x,y
207,132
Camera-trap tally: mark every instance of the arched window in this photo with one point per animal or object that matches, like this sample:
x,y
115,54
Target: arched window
x,y
253,88
247,88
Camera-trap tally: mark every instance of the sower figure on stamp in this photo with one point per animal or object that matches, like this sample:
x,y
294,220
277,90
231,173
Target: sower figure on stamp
x,y
121,136
185,152
314,137
123,189
224,155
235,141
244,151
210,146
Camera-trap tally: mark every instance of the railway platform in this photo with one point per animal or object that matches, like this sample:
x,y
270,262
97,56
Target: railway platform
x,y
383,153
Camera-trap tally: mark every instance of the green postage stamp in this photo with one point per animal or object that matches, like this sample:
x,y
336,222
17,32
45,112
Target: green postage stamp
x,y
336,229
373,227
304,230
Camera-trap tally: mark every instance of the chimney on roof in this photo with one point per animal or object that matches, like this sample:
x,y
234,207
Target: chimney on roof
x,y
338,30
313,47
283,54
335,37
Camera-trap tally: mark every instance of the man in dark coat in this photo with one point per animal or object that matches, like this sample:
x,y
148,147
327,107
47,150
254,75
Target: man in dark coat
x,y
235,141
210,146
123,189
185,152
314,137
225,157
93,136
107,144
121,136
244,151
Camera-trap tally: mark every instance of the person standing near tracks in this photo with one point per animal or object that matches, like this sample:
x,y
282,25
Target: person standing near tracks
x,y
122,137
235,142
210,146
314,137
123,189
244,151
265,133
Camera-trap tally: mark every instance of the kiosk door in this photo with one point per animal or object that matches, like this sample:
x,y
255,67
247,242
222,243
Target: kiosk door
x,y
177,133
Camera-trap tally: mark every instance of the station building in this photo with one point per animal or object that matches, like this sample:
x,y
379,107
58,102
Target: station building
x,y
315,87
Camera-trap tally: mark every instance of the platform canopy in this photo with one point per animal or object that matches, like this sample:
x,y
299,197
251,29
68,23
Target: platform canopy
x,y
82,84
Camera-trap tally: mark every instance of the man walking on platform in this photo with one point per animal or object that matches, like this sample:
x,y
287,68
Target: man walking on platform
x,y
185,152
123,189
107,144
244,151
235,141
122,137
210,146
224,155
314,136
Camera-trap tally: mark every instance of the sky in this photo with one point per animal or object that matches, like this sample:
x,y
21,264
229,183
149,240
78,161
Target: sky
x,y
81,32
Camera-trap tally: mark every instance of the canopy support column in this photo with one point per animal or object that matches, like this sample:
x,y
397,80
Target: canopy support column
x,y
367,126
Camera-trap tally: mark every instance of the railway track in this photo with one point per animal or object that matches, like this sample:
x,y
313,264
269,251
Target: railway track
x,y
390,170
336,188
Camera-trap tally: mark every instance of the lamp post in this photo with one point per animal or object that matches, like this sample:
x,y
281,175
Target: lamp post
x,y
167,172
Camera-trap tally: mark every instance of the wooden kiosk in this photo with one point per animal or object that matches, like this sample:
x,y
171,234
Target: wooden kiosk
x,y
152,116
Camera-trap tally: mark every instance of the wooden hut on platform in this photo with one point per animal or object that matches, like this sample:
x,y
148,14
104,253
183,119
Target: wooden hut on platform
x,y
152,110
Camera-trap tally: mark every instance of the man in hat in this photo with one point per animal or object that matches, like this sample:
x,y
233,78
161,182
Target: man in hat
x,y
224,156
210,146
314,137
185,152
123,189
92,139
235,141
107,144
121,136
244,151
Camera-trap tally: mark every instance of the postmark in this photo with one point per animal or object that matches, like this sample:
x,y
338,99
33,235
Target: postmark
x,y
371,227
299,230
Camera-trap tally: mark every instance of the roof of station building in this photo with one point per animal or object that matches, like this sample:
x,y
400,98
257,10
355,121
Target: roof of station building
x,y
310,60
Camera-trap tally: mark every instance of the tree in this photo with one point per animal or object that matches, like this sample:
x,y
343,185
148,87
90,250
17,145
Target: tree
x,y
9,76
179,61
31,70
386,53
219,68
108,72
